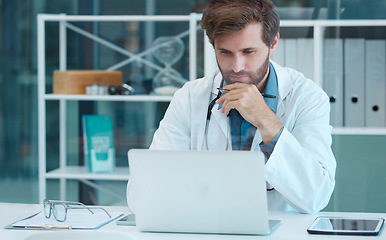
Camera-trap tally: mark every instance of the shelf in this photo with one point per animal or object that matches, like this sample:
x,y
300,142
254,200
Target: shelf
x,y
130,98
117,18
81,172
332,23
358,131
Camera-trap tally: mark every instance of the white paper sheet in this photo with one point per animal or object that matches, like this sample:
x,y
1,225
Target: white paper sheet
x,y
75,220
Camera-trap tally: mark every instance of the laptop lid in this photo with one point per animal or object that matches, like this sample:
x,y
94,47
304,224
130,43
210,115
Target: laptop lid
x,y
199,191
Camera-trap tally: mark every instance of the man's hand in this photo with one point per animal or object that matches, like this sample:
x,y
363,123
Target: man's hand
x,y
249,102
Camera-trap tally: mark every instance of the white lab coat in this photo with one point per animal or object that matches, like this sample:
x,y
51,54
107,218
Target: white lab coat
x,y
302,165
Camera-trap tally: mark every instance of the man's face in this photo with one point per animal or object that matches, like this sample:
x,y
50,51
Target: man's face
x,y
243,56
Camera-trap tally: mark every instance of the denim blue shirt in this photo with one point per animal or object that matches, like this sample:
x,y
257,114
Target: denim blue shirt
x,y
243,132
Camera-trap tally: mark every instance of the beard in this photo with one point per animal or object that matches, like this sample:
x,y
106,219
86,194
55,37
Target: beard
x,y
256,77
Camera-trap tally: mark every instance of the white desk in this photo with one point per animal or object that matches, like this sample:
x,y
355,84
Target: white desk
x,y
293,226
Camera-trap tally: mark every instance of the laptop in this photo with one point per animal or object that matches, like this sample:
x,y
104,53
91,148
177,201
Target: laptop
x,y
199,191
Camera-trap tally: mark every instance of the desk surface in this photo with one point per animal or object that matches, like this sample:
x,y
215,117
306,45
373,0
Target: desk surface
x,y
293,226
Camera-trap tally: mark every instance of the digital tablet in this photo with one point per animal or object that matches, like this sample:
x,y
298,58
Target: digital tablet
x,y
346,226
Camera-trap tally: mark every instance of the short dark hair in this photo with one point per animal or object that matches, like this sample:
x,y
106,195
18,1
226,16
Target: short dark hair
x,y
228,16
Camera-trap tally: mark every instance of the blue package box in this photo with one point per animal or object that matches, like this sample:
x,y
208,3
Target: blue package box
x,y
99,151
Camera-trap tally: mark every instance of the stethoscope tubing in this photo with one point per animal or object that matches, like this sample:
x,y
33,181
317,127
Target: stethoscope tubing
x,y
209,114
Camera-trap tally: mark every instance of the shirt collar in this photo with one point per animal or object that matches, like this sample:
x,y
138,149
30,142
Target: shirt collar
x,y
271,89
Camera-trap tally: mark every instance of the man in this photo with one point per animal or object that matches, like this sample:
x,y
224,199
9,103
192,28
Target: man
x,y
290,124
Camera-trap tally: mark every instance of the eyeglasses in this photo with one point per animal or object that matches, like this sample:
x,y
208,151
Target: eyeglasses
x,y
59,208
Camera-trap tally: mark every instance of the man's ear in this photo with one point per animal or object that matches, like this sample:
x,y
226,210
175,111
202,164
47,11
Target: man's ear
x,y
273,47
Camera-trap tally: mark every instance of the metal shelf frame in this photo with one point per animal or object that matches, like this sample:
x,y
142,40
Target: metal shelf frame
x,y
65,24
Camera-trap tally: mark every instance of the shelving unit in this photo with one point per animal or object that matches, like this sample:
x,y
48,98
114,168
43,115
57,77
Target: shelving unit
x,y
319,27
80,173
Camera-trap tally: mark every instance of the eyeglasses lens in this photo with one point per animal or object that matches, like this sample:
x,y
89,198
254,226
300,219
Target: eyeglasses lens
x,y
47,209
59,211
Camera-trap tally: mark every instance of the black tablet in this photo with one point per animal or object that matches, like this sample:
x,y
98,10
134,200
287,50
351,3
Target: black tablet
x,y
346,226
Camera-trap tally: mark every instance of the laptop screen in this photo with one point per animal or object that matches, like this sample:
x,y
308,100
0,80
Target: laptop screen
x,y
198,191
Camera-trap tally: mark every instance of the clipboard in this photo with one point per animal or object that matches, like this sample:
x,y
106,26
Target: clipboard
x,y
75,220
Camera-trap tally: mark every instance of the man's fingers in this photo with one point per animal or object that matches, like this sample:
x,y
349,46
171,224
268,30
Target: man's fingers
x,y
230,95
238,97
228,106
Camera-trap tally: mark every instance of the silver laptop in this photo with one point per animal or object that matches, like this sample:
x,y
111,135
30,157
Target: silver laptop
x,y
199,191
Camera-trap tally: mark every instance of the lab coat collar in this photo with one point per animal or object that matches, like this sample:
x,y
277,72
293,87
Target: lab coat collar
x,y
283,83
216,82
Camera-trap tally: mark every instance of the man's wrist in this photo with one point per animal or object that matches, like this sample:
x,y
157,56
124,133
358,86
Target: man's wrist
x,y
267,149
269,128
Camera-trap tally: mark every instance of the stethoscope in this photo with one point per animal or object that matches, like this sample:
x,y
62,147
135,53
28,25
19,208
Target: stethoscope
x,y
209,114
213,102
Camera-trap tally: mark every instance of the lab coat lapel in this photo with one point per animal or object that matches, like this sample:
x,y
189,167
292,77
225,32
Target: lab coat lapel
x,y
217,116
256,141
220,119
284,84
280,109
